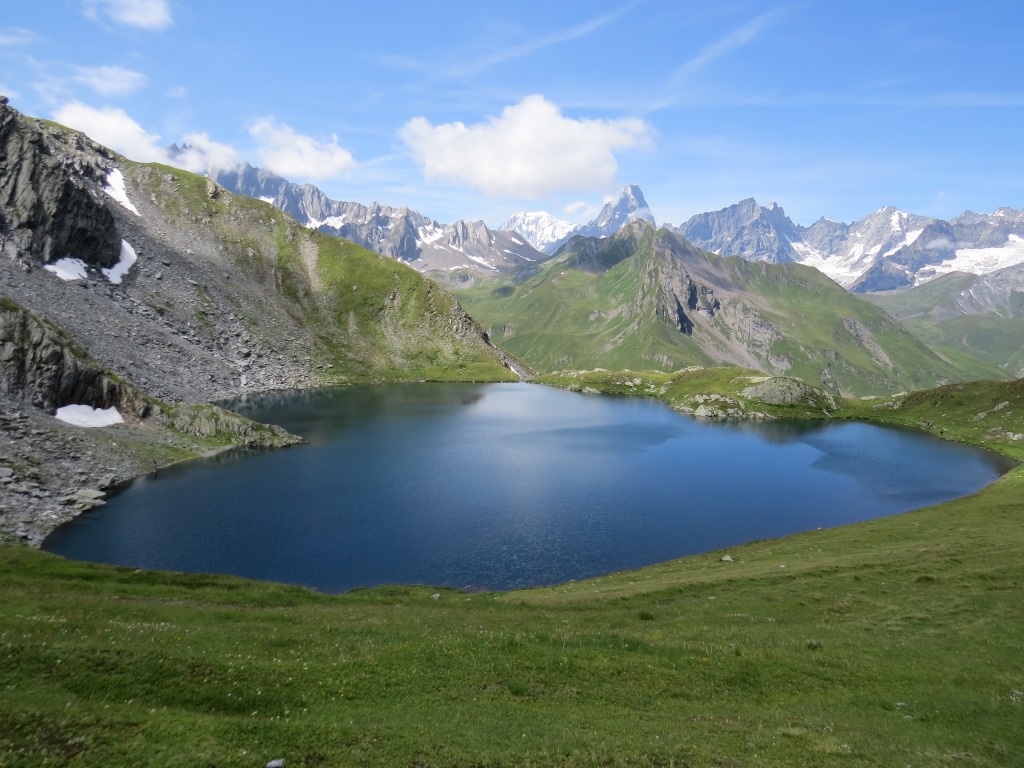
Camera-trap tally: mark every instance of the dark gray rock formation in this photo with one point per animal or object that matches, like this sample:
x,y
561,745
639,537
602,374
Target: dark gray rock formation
x,y
48,208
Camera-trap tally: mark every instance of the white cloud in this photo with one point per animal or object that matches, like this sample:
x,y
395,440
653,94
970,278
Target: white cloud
x,y
177,92
293,155
581,210
737,38
200,154
15,36
108,81
530,151
114,128
147,14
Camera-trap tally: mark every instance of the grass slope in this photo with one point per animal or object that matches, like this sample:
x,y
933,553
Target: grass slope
x,y
372,318
612,304
987,343
891,642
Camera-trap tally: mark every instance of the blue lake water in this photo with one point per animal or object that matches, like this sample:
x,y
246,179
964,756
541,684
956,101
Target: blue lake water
x,y
500,486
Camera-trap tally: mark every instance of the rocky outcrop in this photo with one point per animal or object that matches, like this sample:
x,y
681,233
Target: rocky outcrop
x,y
48,208
783,390
41,365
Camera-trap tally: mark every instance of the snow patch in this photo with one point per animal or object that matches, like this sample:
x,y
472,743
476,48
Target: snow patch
x,y
68,269
119,270
267,200
113,185
87,416
480,261
979,261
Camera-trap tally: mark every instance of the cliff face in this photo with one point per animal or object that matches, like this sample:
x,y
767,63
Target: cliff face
x,y
42,366
48,208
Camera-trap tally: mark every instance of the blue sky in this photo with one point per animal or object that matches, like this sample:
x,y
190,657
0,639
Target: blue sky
x,y
478,110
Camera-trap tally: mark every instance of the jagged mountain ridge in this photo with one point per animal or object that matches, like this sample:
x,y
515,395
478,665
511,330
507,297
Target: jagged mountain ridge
x,y
401,233
547,233
886,250
649,299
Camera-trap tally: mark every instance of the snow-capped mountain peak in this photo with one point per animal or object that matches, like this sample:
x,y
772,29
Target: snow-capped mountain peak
x,y
540,228
547,233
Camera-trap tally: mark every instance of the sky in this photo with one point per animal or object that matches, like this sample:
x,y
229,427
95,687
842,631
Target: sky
x,y
477,110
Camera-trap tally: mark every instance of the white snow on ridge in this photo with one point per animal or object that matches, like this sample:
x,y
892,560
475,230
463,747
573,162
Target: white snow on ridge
x,y
978,261
267,200
907,242
119,270
843,271
68,269
87,416
113,185
334,222
483,262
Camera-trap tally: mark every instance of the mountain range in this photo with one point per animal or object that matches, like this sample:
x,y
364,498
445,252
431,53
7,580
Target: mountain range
x,y
400,233
886,250
647,298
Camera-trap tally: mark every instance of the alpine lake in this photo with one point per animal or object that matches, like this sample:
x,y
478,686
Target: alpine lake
x,y
506,486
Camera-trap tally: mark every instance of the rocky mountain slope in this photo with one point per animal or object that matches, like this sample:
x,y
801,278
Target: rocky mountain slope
x,y
886,250
968,317
649,299
151,291
400,233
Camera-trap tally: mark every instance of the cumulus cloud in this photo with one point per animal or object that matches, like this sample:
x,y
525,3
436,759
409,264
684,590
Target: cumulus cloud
x,y
291,154
114,128
147,14
200,154
109,81
529,151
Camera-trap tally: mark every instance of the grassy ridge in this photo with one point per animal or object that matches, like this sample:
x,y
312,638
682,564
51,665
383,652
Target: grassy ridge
x,y
892,642
370,318
613,304
987,343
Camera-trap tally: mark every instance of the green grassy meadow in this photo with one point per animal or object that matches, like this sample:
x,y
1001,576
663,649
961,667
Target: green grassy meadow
x,y
891,642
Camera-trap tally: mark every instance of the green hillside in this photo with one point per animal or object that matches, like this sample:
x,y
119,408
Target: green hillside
x,y
371,317
648,299
977,320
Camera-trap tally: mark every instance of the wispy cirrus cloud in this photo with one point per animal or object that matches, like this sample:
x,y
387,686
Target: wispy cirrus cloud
x,y
737,38
530,47
154,15
110,81
14,37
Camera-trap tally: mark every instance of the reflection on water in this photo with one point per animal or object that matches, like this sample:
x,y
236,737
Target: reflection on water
x,y
506,485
